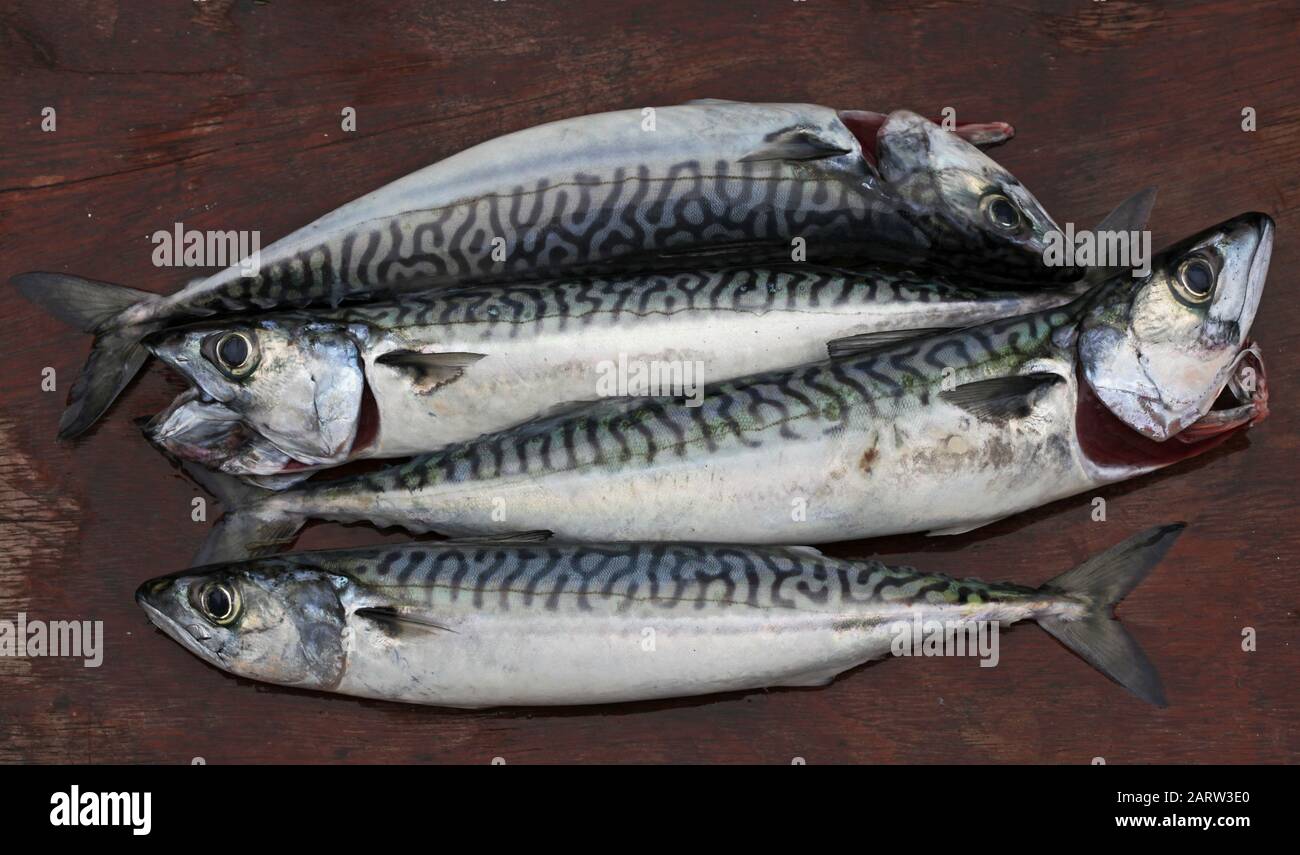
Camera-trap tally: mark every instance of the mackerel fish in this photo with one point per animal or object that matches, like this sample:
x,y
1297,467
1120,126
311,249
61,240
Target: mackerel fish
x,y
511,623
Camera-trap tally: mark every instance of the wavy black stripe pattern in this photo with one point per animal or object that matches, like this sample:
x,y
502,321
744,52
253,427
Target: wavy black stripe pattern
x,y
618,577
748,210
787,406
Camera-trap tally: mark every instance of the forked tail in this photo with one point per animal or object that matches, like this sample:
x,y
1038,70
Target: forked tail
x,y
254,522
1101,582
116,355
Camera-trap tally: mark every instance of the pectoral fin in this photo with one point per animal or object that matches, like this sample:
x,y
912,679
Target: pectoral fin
x,y
395,622
429,371
856,345
1001,397
794,144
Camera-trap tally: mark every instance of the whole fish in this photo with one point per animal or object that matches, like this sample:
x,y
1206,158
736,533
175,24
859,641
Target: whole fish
x,y
941,434
701,184
505,623
277,396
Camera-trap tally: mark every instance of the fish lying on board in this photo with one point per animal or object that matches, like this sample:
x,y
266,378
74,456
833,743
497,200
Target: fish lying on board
x,y
274,397
507,623
713,182
941,434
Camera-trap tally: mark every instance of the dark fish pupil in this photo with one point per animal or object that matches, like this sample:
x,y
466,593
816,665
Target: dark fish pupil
x,y
233,350
1004,213
1198,277
217,602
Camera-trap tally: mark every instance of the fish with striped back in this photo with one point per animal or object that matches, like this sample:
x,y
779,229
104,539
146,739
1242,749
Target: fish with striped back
x,y
940,435
512,622
275,397
713,183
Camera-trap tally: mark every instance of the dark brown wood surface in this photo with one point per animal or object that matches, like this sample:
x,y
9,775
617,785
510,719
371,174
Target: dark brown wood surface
x,y
225,115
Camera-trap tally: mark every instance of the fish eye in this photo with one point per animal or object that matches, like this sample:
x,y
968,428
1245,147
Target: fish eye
x,y
1195,279
235,353
233,350
1001,212
219,603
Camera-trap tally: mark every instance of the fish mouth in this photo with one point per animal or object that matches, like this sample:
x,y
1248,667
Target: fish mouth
x,y
1106,440
1243,400
197,428
173,629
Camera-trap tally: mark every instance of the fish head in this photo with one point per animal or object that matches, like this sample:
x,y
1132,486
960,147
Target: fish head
x,y
1169,354
975,212
265,620
297,385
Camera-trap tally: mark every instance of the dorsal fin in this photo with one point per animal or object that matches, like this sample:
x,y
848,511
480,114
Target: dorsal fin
x,y
1131,215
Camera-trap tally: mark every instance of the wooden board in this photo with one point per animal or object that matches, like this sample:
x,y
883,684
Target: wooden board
x,y
226,115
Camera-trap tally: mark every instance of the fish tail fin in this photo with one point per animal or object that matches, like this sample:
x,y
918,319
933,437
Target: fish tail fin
x,y
116,355
253,524
248,533
1102,581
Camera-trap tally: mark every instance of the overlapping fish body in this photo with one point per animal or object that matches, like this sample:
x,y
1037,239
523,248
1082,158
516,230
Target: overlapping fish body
x,y
276,396
938,435
702,184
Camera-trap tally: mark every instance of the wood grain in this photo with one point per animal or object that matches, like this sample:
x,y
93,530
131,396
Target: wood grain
x,y
225,114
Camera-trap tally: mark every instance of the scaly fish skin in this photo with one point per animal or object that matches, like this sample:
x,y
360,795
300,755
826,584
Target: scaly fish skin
x,y
710,184
297,399
493,624
940,435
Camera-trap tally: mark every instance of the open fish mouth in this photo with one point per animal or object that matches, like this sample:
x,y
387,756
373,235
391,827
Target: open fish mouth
x,y
1106,440
197,428
1242,401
